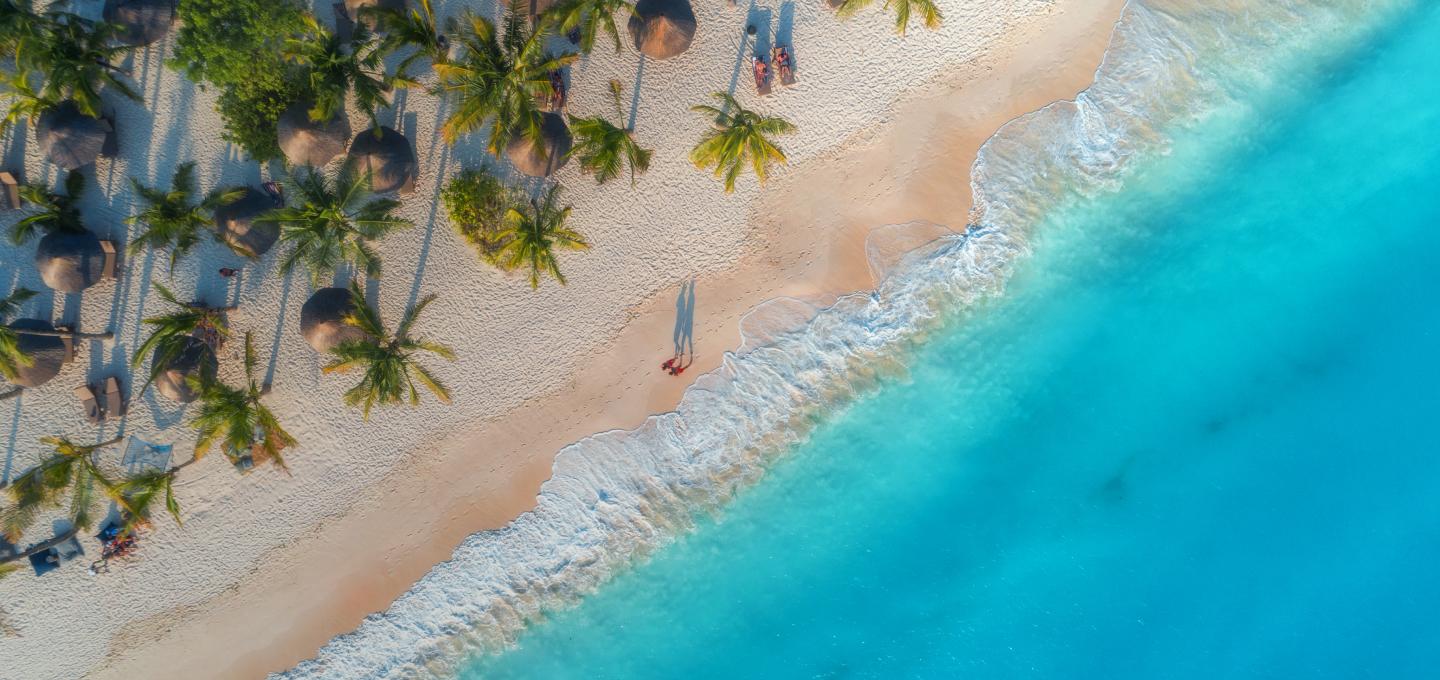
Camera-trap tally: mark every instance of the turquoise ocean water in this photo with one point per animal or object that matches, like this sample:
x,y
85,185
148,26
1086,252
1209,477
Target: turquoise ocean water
x,y
1169,409
1198,437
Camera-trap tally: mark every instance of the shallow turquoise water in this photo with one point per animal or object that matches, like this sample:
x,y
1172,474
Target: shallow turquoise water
x,y
1196,438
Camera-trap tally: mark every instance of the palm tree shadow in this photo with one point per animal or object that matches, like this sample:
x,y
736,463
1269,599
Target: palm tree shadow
x,y
440,167
635,94
14,435
279,328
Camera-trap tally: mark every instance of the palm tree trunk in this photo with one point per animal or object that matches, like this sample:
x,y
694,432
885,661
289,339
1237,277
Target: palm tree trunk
x,y
118,438
183,465
41,546
63,334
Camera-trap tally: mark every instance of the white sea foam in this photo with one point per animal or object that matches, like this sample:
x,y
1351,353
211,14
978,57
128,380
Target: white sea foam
x,y
616,496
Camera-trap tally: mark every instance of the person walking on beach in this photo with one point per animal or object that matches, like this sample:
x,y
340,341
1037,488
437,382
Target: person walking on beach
x,y
228,273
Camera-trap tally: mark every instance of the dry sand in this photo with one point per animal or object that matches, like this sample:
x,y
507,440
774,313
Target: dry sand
x,y
269,567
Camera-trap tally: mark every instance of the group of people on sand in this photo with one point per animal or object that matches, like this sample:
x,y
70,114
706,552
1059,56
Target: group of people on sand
x,y
114,542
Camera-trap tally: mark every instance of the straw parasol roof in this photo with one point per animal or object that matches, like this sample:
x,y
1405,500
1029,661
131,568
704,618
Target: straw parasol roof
x,y
529,159
235,223
195,360
141,22
306,142
69,138
322,319
662,29
47,352
70,261
387,157
353,7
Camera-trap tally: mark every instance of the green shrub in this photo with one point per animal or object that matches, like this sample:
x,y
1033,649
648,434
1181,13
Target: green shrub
x,y
476,202
234,46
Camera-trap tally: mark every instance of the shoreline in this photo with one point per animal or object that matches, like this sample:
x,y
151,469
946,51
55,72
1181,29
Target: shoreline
x,y
296,600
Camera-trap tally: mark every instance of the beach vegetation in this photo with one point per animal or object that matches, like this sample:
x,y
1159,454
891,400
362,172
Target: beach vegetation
x,y
69,471
235,47
533,233
12,358
57,211
173,219
391,371
476,202
334,223
604,148
414,28
137,494
739,138
171,334
26,103
498,77
237,419
337,67
588,18
926,10
20,24
74,58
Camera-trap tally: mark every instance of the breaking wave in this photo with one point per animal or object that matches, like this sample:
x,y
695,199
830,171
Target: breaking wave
x,y
616,496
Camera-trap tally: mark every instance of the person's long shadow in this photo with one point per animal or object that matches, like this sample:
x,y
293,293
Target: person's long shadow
x,y
684,335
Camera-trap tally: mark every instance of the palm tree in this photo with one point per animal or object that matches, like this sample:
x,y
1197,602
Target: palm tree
x,y
19,25
603,147
739,136
531,237
172,219
26,103
71,468
588,17
498,77
929,13
237,418
172,333
340,66
136,494
389,361
12,358
335,224
58,212
413,28
75,58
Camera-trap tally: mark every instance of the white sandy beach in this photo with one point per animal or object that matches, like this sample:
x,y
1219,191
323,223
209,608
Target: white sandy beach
x,y
267,567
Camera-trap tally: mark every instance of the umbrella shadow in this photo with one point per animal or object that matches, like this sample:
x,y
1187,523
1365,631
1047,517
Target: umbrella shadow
x,y
424,257
19,403
635,94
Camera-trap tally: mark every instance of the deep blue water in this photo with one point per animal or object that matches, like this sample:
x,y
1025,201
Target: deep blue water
x,y
1196,438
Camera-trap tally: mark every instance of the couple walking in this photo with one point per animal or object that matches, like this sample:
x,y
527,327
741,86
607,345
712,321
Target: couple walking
x,y
684,335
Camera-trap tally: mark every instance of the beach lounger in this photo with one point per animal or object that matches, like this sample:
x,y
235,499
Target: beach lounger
x,y
108,269
762,76
276,192
11,187
63,548
784,65
89,404
114,400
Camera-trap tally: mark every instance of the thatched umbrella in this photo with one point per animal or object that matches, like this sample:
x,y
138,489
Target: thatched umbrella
x,y
235,223
322,319
69,138
387,157
353,7
662,28
141,22
70,261
306,142
196,360
555,140
47,353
